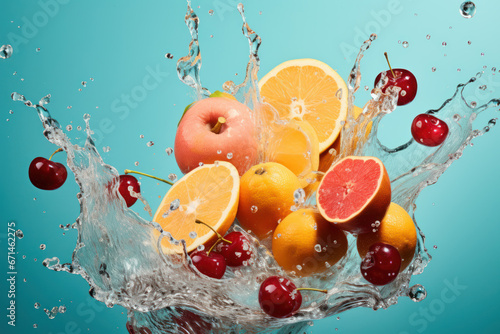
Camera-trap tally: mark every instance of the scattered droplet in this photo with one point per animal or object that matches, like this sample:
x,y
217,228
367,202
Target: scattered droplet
x,y
193,235
211,12
69,127
169,56
444,44
35,326
19,234
435,247
6,51
428,36
172,177
150,143
254,209
417,293
62,309
482,53
229,155
367,88
482,87
174,205
200,248
317,248
469,42
106,149
473,104
37,305
43,246
299,196
405,44
169,150
136,163
433,69
468,9
493,69
84,83
69,107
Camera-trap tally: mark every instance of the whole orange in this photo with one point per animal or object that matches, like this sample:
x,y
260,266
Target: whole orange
x,y
266,196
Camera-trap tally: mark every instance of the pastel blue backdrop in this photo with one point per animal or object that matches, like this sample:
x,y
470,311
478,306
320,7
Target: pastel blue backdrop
x,y
122,45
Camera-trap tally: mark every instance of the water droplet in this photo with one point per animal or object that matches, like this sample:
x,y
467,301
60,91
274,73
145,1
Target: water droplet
x,y
230,155
150,143
37,305
468,9
211,36
69,107
172,177
338,94
483,87
79,128
299,267
169,56
43,246
62,309
106,149
433,69
417,293
19,234
17,97
91,79
405,44
6,51
317,248
169,150
469,42
367,88
493,69
211,12
219,151
174,205
473,104
193,235
435,247
299,196
482,53
444,44
428,36
35,326
69,127
403,93
254,209
338,318
136,163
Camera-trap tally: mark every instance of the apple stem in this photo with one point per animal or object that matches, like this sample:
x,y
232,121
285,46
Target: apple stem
x,y
216,129
128,171
58,150
312,289
388,63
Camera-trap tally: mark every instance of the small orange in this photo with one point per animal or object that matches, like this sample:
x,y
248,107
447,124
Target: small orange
x,y
208,193
266,196
306,243
396,229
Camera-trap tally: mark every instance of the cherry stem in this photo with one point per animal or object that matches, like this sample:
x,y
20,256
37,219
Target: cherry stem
x,y
220,237
128,171
216,129
58,150
388,63
312,289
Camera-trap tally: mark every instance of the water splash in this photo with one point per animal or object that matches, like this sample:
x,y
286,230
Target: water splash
x,y
168,295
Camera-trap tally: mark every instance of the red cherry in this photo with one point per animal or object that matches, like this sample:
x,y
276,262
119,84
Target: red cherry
x,y
429,130
213,264
381,264
125,182
279,297
237,252
403,79
47,174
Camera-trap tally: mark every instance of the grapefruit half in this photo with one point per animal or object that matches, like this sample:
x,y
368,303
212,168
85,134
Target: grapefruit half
x,y
355,193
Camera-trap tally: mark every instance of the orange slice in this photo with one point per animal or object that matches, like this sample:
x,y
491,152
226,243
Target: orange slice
x,y
310,90
209,194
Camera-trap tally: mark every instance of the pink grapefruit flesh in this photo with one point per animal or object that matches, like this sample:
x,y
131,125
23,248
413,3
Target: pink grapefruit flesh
x,y
355,193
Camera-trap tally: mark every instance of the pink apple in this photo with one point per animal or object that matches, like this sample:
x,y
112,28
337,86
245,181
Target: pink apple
x,y
235,142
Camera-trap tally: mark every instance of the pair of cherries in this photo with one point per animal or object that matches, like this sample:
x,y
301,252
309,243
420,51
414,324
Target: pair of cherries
x,y
426,129
231,250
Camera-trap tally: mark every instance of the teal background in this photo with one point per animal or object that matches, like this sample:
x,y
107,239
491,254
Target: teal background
x,y
118,43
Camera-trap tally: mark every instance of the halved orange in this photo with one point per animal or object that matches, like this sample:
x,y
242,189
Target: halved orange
x,y
310,90
209,194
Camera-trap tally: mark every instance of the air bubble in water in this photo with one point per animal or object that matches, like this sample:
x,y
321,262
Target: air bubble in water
x,y
405,44
417,293
6,51
169,150
150,143
19,234
43,246
468,9
254,209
